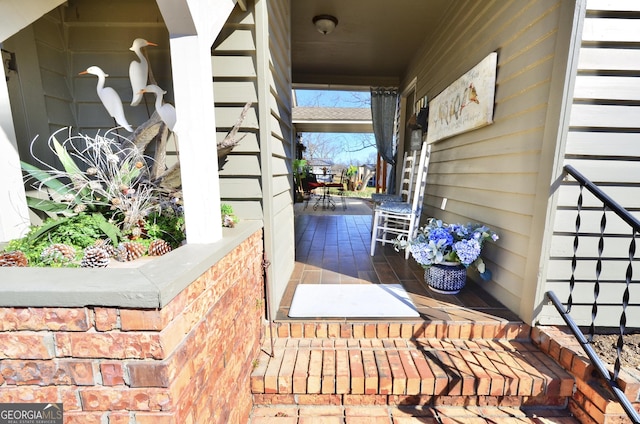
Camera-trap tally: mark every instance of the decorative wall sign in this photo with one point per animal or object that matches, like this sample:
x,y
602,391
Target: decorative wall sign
x,y
465,105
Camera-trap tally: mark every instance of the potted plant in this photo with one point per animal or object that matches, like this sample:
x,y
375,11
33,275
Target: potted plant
x,y
100,204
229,218
299,172
445,251
352,173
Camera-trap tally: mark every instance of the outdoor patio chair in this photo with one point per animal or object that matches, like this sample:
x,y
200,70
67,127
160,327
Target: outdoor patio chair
x,y
395,219
340,187
309,185
408,171
408,174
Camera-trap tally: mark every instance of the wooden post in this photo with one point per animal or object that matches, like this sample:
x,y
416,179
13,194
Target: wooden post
x,y
384,174
378,170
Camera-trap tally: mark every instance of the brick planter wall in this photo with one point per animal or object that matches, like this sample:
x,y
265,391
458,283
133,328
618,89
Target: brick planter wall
x,y
189,362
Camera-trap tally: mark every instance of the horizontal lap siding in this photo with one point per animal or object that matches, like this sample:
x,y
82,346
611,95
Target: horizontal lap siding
x,y
40,97
68,40
281,243
235,84
53,70
100,34
57,95
256,179
490,175
603,143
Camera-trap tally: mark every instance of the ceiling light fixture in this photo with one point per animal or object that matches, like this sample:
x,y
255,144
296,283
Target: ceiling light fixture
x,y
325,24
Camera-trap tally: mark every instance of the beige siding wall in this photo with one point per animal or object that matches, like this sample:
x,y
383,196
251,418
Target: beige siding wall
x,y
51,48
251,63
234,84
603,144
500,174
41,97
277,151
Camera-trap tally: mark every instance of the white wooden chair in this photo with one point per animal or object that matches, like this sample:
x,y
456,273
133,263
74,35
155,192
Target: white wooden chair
x,y
408,172
394,219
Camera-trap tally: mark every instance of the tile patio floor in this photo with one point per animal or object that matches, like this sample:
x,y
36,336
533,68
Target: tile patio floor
x,y
334,249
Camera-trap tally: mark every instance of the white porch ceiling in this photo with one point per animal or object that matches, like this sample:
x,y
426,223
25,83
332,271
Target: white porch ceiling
x,y
372,44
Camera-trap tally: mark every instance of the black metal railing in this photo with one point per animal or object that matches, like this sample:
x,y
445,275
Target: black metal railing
x,y
608,204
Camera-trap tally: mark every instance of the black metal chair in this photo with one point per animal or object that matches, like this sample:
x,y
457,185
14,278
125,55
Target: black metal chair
x,y
340,188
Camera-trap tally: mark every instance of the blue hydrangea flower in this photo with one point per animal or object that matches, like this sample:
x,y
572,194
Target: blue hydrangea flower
x,y
438,234
467,250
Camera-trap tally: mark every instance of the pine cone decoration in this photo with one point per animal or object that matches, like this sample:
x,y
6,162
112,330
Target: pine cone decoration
x,y
159,247
58,253
106,245
95,257
129,251
13,258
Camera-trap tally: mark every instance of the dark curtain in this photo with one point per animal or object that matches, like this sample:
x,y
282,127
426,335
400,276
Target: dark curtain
x,y
384,102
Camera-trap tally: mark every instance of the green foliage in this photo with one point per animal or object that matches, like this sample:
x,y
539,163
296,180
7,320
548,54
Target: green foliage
x,y
104,189
45,178
79,231
299,171
352,170
299,166
226,209
167,226
229,218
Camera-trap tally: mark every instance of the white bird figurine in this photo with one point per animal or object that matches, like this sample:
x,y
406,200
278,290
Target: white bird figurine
x,y
109,97
166,111
139,71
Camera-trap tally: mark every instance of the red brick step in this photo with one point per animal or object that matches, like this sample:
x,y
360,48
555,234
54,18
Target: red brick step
x,y
400,371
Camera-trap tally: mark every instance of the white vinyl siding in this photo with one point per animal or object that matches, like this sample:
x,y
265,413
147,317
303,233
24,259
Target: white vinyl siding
x,y
603,143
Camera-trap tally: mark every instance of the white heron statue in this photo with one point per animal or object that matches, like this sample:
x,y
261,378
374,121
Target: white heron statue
x,y
166,111
139,71
109,97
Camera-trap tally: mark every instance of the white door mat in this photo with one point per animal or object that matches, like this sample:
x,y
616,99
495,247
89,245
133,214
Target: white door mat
x,y
351,301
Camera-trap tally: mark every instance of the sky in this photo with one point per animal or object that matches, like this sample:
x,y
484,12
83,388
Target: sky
x,y
343,148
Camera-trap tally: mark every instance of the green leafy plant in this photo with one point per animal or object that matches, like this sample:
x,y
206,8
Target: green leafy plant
x,y
229,218
78,231
352,174
166,226
299,172
102,191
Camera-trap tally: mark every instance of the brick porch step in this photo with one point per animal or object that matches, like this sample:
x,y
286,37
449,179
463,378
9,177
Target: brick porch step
x,y
400,371
378,414
418,329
